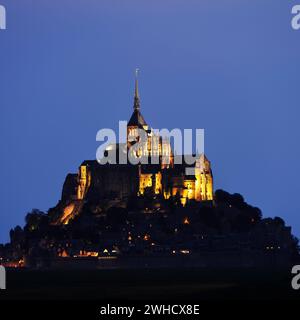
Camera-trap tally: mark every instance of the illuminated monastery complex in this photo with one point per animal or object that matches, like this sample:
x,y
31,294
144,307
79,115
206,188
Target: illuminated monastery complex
x,y
117,214
163,180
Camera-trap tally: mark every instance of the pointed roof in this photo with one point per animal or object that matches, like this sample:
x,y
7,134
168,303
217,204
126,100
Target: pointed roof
x,y
136,119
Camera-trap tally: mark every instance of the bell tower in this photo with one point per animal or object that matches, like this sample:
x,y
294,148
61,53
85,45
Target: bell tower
x,y
136,121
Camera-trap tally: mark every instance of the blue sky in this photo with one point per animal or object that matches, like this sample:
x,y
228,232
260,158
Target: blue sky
x,y
230,67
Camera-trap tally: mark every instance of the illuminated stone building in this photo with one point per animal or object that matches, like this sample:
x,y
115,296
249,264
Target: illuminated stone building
x,y
165,178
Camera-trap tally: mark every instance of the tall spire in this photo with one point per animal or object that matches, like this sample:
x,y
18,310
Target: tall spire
x,y
137,120
136,105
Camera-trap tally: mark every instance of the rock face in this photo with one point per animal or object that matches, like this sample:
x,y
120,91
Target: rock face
x,y
95,184
70,187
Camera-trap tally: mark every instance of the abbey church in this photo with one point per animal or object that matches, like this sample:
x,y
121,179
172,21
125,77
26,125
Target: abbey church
x,y
165,179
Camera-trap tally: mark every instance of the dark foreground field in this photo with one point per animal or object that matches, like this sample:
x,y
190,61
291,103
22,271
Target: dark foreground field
x,y
154,284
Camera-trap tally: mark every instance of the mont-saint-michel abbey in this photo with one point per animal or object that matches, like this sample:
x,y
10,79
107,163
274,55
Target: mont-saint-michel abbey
x,y
162,213
121,181
148,193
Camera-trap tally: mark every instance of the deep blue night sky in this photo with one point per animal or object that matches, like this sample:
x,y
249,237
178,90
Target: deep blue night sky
x,y
229,66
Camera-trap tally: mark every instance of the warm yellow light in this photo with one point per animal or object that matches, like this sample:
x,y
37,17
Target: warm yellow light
x,y
185,251
186,220
146,237
67,214
64,254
